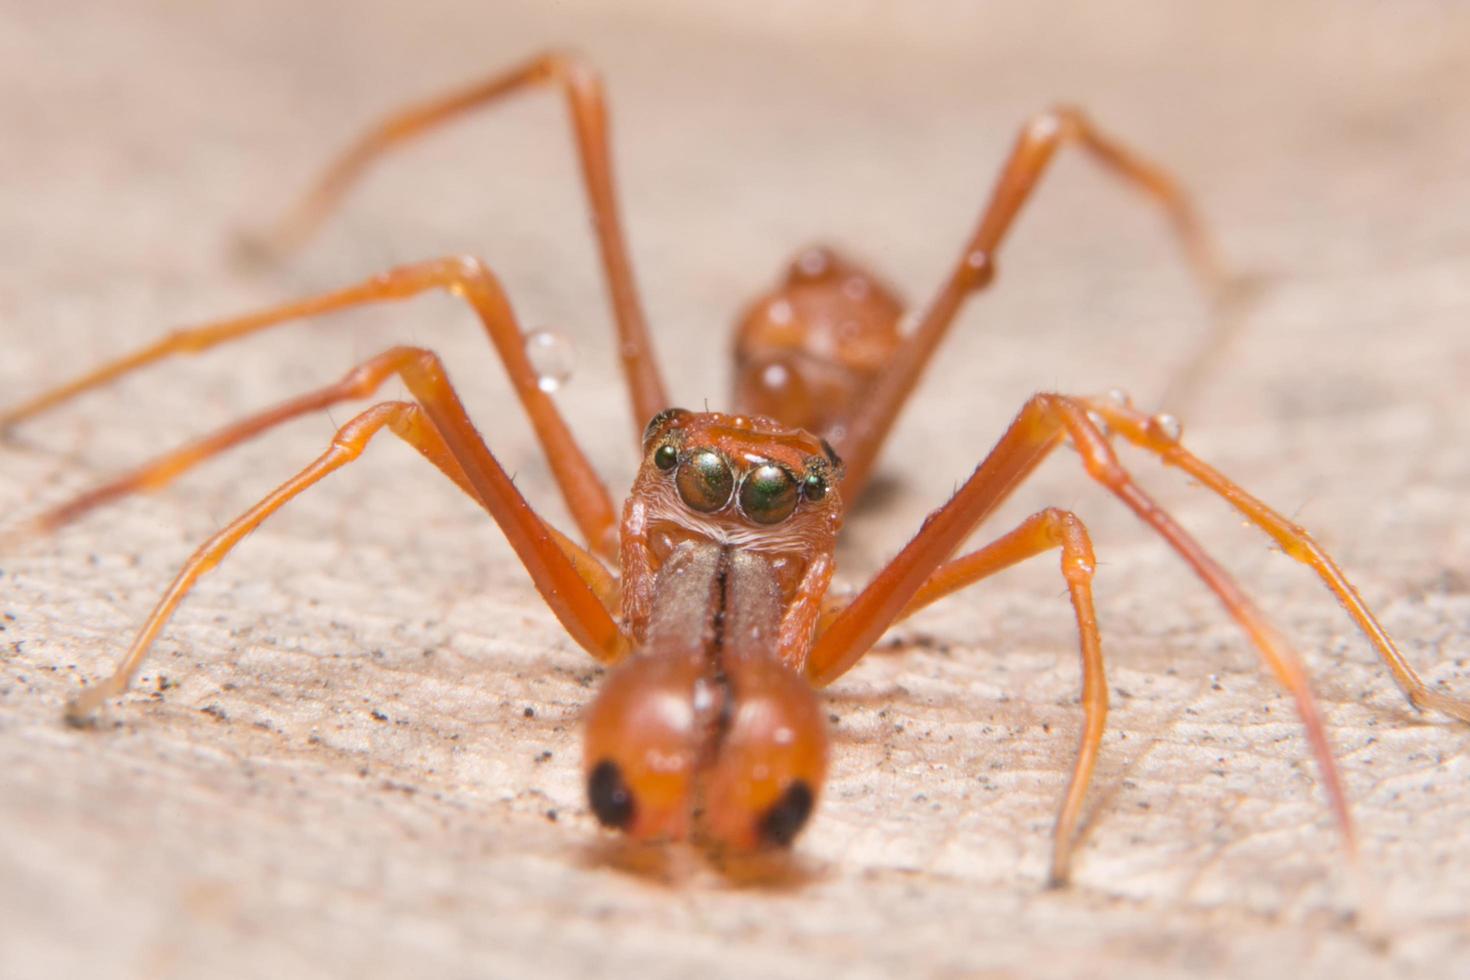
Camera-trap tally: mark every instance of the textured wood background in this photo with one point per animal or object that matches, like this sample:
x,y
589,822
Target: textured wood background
x,y
341,775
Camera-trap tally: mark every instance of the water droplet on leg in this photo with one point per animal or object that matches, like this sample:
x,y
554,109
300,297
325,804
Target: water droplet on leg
x,y
1166,427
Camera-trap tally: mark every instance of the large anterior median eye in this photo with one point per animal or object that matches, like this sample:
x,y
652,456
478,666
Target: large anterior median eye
x,y
768,494
705,482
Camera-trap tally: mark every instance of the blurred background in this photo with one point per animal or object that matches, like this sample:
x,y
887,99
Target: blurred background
x,y
287,829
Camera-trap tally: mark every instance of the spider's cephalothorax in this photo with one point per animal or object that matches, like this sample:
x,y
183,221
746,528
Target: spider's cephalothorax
x,y
709,728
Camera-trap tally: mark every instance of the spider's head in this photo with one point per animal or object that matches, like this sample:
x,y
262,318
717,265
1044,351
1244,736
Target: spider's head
x,y
807,351
739,480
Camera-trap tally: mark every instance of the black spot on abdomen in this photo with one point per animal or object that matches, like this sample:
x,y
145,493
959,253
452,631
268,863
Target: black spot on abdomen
x,y
784,820
609,795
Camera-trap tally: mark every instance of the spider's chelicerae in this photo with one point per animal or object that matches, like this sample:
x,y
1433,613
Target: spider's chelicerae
x,y
708,595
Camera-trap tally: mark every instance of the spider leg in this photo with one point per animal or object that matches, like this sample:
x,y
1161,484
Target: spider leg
x,y
1034,150
467,278
436,425
583,89
1150,433
362,381
1039,533
1044,422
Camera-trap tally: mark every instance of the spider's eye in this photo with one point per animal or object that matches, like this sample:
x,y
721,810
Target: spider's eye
x,y
658,422
666,457
768,494
705,482
814,487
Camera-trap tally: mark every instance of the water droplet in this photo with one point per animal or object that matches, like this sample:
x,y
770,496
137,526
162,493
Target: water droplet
x,y
1119,397
1100,422
1166,426
552,357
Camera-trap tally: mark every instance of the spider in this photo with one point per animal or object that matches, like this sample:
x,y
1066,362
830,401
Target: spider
x,y
708,596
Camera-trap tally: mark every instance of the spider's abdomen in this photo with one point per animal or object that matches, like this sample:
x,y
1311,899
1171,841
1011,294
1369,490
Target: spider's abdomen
x,y
808,351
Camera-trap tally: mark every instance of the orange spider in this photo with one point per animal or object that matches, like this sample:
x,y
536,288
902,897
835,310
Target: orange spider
x,y
708,597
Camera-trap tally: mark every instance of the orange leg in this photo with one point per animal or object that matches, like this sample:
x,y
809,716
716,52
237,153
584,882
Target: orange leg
x,y
584,93
468,278
1159,435
1036,146
1043,424
1039,533
360,382
157,473
439,429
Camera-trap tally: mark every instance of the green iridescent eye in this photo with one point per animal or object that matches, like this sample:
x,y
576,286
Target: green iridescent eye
x,y
666,457
814,487
705,482
768,494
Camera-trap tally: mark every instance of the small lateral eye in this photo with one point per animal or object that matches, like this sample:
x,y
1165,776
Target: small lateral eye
x,y
657,423
768,494
832,456
705,482
666,457
814,487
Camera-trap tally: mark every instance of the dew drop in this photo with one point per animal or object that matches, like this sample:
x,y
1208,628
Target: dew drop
x,y
1166,426
552,357
1119,397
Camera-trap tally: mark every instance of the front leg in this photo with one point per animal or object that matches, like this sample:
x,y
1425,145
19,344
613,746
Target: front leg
x,y
1160,436
437,426
1045,422
469,279
1038,534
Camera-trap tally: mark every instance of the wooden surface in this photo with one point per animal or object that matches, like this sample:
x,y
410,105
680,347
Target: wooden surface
x,y
365,756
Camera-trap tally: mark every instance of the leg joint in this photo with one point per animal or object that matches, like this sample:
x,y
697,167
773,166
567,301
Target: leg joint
x,y
1070,534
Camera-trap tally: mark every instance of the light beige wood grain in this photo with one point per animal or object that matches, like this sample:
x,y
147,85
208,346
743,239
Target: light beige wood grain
x,y
342,776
